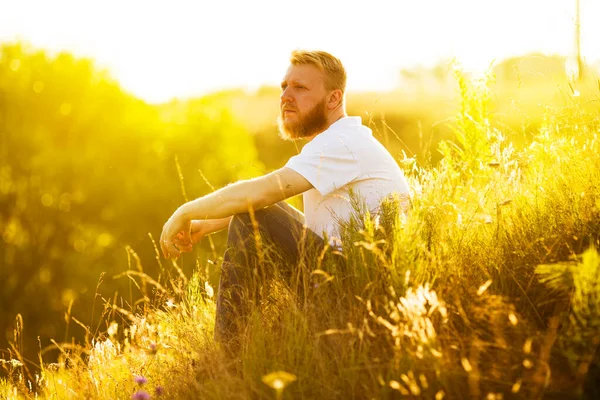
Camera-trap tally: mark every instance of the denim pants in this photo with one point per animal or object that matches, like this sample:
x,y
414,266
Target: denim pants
x,y
273,236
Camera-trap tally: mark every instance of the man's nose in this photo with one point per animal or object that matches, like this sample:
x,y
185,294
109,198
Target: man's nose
x,y
286,96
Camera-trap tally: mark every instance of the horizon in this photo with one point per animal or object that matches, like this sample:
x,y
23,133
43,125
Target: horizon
x,y
159,65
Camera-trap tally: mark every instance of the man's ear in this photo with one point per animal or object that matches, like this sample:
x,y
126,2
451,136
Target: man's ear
x,y
335,99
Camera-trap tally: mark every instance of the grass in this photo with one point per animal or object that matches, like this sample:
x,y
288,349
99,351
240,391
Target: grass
x,y
487,288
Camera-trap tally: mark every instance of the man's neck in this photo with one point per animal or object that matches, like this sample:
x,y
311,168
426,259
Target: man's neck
x,y
343,115
332,119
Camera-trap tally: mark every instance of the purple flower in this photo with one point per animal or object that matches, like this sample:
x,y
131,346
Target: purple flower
x,y
140,395
140,380
159,390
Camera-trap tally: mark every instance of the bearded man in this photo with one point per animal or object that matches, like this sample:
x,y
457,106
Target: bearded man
x,y
340,158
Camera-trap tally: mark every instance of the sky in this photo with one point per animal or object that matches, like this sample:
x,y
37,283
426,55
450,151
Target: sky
x,y
159,50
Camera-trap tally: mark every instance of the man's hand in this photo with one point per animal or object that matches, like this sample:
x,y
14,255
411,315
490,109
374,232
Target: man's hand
x,y
175,225
197,232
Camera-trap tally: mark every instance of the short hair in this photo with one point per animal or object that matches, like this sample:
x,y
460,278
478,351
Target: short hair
x,y
335,73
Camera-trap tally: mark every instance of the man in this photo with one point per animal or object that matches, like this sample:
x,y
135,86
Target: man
x,y
341,157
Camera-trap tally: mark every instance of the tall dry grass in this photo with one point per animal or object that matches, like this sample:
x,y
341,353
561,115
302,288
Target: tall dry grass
x,y
487,287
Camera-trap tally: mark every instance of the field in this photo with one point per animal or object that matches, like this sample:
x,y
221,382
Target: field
x,y
488,287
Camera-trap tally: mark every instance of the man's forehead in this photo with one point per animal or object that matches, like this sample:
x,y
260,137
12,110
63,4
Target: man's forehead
x,y
303,72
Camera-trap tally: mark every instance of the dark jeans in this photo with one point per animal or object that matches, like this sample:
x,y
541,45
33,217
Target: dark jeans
x,y
273,236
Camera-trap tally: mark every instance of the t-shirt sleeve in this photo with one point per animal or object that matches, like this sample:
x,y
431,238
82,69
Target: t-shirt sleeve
x,y
327,165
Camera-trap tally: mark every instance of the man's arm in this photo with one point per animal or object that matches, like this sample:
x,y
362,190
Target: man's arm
x,y
239,197
214,225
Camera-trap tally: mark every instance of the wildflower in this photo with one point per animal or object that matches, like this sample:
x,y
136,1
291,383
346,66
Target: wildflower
x,y
484,287
159,390
140,395
398,386
278,380
153,348
140,380
466,364
112,329
209,289
517,386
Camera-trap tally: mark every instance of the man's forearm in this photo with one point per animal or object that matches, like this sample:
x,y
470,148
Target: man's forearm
x,y
223,203
215,225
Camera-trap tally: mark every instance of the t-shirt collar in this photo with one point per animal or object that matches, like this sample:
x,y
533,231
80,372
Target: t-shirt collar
x,y
346,121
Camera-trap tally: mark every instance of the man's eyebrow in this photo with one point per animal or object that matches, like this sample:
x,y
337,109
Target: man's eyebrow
x,y
285,83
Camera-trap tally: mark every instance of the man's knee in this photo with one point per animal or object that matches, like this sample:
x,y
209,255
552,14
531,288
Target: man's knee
x,y
243,227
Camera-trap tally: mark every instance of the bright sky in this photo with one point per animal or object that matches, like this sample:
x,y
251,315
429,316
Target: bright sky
x,y
163,49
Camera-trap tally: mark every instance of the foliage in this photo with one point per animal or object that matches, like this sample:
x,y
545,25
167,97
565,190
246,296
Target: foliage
x,y
486,287
86,172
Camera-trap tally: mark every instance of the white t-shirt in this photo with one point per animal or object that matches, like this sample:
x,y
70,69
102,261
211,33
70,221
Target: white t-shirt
x,y
345,157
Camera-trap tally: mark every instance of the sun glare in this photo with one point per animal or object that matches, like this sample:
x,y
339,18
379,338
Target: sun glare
x,y
187,48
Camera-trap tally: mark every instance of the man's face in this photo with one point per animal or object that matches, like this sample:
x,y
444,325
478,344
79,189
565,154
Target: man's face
x,y
303,106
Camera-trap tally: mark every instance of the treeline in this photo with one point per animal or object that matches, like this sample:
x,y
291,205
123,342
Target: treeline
x,y
87,172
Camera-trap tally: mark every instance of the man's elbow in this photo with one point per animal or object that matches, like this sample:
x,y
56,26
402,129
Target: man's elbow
x,y
255,196
249,197
259,200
